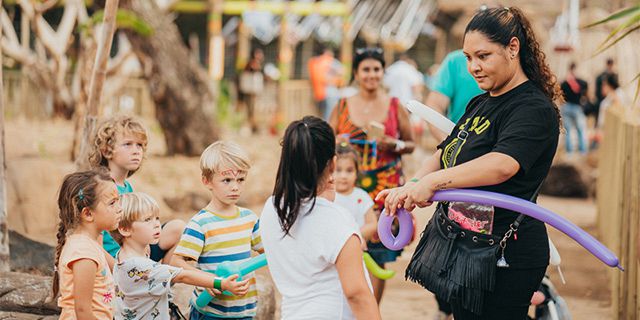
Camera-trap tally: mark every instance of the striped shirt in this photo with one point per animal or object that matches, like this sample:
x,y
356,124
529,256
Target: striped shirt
x,y
211,239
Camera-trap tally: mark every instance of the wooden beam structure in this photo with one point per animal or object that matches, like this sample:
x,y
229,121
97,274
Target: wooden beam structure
x,y
244,46
237,7
346,47
216,40
285,57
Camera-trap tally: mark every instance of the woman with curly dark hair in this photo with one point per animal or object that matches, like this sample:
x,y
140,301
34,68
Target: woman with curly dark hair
x,y
505,143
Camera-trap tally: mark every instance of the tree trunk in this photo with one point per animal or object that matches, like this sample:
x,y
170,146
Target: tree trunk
x,y
178,84
98,76
83,74
4,227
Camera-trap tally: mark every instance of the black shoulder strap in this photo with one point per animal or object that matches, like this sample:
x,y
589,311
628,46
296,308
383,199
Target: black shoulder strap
x,y
533,198
462,136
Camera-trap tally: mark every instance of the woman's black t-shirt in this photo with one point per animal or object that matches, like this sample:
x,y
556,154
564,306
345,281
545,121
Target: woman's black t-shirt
x,y
522,124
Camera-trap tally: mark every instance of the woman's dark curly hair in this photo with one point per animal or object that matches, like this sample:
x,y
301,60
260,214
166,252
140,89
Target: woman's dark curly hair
x,y
500,25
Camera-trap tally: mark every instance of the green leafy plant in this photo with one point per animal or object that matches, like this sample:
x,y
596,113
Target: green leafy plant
x,y
125,19
630,25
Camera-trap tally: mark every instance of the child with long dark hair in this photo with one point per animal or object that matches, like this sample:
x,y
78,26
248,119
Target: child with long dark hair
x,y
313,246
88,204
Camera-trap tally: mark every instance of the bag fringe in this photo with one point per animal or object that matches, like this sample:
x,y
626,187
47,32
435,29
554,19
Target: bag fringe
x,y
465,275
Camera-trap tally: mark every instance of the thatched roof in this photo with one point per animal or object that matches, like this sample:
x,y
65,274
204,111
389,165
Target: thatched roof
x,y
394,22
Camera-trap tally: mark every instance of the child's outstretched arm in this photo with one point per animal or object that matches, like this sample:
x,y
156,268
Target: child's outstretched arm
x,y
370,226
183,262
84,273
206,280
354,285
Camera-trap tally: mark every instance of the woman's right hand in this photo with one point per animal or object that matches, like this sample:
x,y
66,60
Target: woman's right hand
x,y
409,196
237,288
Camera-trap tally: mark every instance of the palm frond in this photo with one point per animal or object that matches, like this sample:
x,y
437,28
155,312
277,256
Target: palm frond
x,y
617,39
620,14
631,21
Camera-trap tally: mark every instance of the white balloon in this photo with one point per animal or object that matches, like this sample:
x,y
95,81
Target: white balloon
x,y
554,255
428,114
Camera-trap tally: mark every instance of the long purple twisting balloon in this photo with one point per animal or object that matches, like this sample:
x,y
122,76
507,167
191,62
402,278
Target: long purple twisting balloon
x,y
507,202
404,234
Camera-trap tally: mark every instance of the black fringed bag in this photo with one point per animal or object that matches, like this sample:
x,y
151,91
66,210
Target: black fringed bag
x,y
455,263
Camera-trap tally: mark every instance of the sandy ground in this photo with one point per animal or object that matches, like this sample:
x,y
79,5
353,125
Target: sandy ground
x,y
38,157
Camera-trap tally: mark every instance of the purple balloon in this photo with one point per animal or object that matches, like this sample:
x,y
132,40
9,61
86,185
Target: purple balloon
x,y
515,204
404,234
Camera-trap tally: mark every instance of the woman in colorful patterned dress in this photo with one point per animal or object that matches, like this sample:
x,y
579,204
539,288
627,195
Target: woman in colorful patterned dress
x,y
378,127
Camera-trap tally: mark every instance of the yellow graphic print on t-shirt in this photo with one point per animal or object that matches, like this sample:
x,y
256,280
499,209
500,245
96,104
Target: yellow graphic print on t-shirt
x,y
479,125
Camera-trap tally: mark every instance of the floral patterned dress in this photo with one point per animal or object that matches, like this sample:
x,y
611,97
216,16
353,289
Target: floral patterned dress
x,y
379,169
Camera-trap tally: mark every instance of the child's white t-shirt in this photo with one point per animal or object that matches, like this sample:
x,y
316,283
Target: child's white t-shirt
x,y
357,203
302,263
143,289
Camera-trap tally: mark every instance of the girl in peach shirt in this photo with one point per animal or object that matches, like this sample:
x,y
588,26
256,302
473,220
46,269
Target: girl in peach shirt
x,y
88,203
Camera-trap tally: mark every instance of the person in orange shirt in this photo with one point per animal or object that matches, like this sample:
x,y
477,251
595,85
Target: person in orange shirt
x,y
325,74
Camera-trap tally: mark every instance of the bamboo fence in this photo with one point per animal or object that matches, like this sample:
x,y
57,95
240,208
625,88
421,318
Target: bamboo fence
x,y
618,201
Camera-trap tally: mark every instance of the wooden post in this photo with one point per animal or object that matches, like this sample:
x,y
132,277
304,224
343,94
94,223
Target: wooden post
x,y
389,53
346,47
98,76
285,57
216,41
4,222
25,31
285,52
244,46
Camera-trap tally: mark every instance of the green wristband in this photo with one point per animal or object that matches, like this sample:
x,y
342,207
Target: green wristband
x,y
217,283
414,180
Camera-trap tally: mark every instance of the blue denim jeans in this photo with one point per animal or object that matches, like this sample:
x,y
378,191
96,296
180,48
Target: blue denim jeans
x,y
573,118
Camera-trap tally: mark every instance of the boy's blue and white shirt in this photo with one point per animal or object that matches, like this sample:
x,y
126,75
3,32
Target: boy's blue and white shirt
x,y
211,239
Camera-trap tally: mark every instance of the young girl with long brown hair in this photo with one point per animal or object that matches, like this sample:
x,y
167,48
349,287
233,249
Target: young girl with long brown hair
x,y
88,204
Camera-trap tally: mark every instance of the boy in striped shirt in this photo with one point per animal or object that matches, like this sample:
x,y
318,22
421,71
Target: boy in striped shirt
x,y
221,231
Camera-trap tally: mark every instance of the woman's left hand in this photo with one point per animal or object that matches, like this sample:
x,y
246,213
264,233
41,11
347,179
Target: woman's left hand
x,y
419,194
